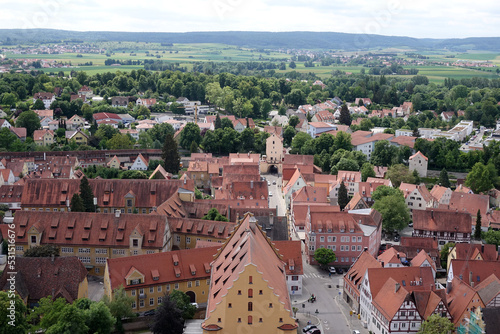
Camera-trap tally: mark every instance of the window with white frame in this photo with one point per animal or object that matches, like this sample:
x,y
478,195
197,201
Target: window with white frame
x,y
66,250
151,301
176,286
197,283
353,239
158,289
134,305
100,260
321,239
151,289
159,300
101,251
190,284
359,247
353,248
168,287
118,251
84,250
360,239
84,259
178,238
188,240
19,248
141,303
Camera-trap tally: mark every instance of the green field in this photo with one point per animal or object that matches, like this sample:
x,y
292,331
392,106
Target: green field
x,y
187,54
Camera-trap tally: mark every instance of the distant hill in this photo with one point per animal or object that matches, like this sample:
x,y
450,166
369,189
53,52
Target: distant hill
x,y
267,40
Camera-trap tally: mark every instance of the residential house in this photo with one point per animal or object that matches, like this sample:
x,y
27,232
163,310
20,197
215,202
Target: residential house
x,y
323,116
43,137
445,225
489,291
40,277
417,197
6,177
107,117
86,91
354,277
441,194
365,101
5,124
114,163
470,203
461,300
351,181
147,278
19,132
424,260
132,132
119,101
314,129
53,125
412,246
248,285
278,130
291,252
364,141
473,272
160,174
140,163
92,237
357,202
78,136
44,114
145,102
447,115
346,233
391,258
47,98
474,252
186,232
75,122
300,213
418,162
10,195
295,184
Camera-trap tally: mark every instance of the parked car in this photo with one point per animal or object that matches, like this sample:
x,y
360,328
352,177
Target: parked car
x,y
308,328
331,270
340,271
274,182
149,313
270,194
396,238
314,331
268,183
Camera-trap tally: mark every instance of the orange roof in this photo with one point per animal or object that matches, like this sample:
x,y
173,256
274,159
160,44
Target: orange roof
x,y
438,191
391,255
389,298
418,260
427,302
295,177
311,194
214,229
404,141
162,266
356,273
299,211
38,134
466,251
469,203
442,221
459,298
295,159
291,253
410,278
356,201
477,270
90,229
348,176
418,153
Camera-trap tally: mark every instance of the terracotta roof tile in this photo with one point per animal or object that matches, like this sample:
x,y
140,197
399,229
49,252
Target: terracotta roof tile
x,y
439,221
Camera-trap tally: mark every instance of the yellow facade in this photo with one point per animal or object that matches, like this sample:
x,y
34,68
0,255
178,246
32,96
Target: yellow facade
x,y
83,289
114,163
188,241
250,306
150,297
93,257
80,139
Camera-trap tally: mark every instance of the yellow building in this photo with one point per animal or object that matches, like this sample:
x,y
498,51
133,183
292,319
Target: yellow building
x,y
147,278
114,163
248,291
78,136
39,277
92,237
186,232
43,137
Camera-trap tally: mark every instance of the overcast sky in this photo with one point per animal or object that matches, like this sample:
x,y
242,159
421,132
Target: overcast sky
x,y
421,19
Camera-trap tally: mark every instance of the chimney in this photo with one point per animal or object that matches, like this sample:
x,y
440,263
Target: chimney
x,y
117,213
382,264
398,255
397,287
251,184
365,249
482,248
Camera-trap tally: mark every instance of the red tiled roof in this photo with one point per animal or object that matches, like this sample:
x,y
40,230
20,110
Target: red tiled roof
x,y
466,251
388,299
391,255
11,193
417,154
356,273
442,221
404,141
294,159
162,265
105,115
42,277
311,194
459,298
418,260
291,252
410,278
470,203
90,229
215,229
477,270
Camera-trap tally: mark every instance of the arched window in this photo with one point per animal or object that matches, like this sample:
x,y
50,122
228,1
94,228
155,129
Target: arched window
x,y
250,306
250,293
249,319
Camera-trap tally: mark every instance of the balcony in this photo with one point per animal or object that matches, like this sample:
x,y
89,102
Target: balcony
x,y
143,296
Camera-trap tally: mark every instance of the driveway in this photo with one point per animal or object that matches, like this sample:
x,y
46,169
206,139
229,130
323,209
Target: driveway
x,y
96,288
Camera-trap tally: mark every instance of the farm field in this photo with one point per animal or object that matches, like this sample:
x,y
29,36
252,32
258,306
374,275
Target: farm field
x,y
186,54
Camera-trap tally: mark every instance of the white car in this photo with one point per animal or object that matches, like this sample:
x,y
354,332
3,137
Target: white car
x,y
270,194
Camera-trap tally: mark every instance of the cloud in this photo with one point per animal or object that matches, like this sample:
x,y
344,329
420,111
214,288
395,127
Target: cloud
x,y
425,18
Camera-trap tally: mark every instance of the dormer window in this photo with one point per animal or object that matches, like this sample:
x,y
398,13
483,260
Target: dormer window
x,y
135,242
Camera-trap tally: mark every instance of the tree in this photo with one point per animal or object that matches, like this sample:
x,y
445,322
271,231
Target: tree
x,y
292,64
444,181
324,256
168,318
479,178
72,320
435,324
400,173
392,207
120,307
366,124
492,237
343,198
293,121
29,120
213,214
190,133
299,140
38,105
183,303
77,203
193,148
477,231
445,251
12,316
120,142
145,140
170,155
99,318
42,251
288,135
226,123
384,154
87,195
367,171
345,115
218,122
